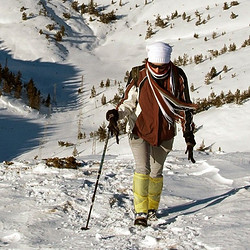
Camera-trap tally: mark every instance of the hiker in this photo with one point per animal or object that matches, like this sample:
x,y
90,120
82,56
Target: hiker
x,y
156,97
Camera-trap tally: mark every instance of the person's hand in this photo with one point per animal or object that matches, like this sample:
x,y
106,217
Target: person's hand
x,y
112,116
189,151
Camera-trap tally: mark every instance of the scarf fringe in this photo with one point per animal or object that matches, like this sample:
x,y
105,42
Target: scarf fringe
x,y
168,103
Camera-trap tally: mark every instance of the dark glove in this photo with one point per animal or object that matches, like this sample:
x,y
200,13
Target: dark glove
x,y
189,138
112,116
189,150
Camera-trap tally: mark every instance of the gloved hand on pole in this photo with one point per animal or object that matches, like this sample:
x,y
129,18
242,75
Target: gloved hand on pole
x,y
189,151
190,141
112,116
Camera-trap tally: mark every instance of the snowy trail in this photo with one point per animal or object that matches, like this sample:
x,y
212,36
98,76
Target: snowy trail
x,y
46,207
204,205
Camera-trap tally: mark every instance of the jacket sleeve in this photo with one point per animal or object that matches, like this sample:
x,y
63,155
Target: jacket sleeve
x,y
129,101
187,123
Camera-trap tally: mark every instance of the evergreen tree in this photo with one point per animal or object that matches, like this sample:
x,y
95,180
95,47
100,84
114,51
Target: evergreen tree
x,y
74,5
83,9
159,22
48,101
149,33
101,84
93,92
102,132
107,83
6,87
103,100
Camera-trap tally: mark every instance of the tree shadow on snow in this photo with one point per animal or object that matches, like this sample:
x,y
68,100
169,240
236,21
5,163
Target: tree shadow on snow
x,y
197,205
17,136
59,80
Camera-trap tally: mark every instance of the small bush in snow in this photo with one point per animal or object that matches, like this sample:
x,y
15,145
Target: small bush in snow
x,y
50,26
58,36
66,15
196,35
225,6
159,22
232,47
234,3
24,16
149,33
103,100
102,84
233,15
107,18
93,92
116,99
67,162
198,58
102,132
65,144
225,68
74,5
213,100
223,50
107,84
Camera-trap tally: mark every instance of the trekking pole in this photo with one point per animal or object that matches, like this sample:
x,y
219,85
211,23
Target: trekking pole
x,y
97,181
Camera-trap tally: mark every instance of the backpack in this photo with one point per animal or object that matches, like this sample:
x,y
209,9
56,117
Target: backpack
x,y
134,74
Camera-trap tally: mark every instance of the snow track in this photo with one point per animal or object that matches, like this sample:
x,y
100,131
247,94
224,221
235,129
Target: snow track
x,y
44,207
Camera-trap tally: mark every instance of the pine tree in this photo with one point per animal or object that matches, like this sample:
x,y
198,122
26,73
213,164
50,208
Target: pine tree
x,y
48,101
233,15
74,5
24,16
103,100
58,36
225,68
107,83
6,87
101,84
225,6
83,9
116,99
102,132
159,22
149,33
232,47
93,92
229,98
184,16
224,49
237,96
213,72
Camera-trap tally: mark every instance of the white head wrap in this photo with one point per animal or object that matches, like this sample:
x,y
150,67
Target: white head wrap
x,y
159,52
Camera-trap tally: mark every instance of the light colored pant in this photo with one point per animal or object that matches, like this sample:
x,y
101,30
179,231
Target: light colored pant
x,y
149,160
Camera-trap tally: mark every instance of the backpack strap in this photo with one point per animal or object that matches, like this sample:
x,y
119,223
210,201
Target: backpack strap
x,y
134,74
176,80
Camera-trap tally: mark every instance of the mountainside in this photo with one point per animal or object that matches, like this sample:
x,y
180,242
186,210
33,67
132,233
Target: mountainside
x,y
69,48
91,52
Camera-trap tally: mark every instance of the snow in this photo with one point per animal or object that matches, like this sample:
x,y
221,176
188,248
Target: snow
x,y
204,205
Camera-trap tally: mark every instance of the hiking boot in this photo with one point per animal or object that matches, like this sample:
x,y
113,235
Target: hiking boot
x,y
152,215
141,219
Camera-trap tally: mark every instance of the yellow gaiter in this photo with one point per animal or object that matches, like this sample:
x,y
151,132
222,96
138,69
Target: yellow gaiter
x,y
140,189
154,192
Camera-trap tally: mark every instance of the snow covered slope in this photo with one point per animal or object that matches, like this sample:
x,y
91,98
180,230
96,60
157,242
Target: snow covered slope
x,y
207,202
